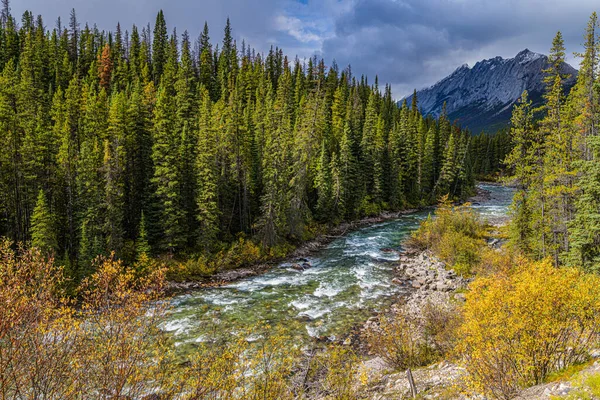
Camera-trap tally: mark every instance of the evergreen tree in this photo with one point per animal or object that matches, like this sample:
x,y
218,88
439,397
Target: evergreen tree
x,y
159,47
166,172
207,201
145,146
43,230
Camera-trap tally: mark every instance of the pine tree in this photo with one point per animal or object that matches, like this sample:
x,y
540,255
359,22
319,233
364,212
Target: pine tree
x,y
166,172
114,173
525,164
348,173
207,201
325,187
206,65
105,67
159,47
557,192
43,230
275,202
367,145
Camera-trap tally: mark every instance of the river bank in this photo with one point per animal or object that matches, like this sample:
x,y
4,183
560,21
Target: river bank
x,y
298,255
311,246
431,283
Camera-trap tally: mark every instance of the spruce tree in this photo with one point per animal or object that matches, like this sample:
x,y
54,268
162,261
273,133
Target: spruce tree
x,y
159,47
207,200
167,178
43,230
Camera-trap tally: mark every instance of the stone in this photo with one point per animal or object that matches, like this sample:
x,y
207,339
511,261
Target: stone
x,y
416,285
397,281
441,287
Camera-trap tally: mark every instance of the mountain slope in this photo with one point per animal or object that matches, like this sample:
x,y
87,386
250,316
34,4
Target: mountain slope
x,y
481,97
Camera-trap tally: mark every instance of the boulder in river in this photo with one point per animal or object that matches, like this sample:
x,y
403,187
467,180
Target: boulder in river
x,y
301,267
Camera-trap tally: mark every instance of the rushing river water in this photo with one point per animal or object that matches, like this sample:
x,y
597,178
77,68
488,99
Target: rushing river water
x,y
349,280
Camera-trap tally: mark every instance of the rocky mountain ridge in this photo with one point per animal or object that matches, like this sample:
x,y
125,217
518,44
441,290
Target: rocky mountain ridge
x,y
481,97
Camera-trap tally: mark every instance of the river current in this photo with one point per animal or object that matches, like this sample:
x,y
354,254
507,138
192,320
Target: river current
x,y
349,280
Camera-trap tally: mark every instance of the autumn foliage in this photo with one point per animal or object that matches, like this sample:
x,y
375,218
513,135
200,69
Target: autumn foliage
x,y
524,324
107,345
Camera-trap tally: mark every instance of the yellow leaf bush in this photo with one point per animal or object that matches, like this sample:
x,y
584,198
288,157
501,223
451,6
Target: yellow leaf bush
x,y
522,325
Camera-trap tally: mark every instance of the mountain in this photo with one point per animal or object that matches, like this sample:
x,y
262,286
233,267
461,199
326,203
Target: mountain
x,y
481,98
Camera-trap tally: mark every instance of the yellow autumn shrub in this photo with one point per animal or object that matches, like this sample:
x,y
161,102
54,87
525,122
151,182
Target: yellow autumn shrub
x,y
107,345
522,325
455,234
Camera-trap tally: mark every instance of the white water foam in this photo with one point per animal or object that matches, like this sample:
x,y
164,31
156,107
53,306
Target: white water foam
x,y
327,289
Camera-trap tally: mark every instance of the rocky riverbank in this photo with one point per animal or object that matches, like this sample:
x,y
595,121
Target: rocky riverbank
x,y
430,282
298,255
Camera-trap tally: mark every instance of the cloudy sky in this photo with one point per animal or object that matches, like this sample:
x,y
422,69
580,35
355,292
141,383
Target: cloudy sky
x,y
408,43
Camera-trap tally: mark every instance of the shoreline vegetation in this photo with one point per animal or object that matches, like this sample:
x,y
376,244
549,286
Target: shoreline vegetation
x,y
305,249
295,255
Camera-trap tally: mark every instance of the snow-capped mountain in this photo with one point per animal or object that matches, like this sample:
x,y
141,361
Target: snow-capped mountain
x,y
481,97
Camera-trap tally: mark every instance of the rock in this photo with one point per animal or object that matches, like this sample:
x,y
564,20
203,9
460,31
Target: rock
x,y
348,341
301,267
409,271
441,287
388,250
304,318
416,285
397,281
302,260
563,389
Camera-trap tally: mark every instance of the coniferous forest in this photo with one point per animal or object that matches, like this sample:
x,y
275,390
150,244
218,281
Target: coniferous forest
x,y
148,141
554,163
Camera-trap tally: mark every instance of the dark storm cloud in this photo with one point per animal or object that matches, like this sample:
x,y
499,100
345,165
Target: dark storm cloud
x,y
408,43
412,44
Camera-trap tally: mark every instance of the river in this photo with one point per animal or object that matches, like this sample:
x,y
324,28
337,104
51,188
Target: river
x,y
350,280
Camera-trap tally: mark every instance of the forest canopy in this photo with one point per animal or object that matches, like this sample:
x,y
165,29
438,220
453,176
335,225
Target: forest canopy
x,y
142,141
